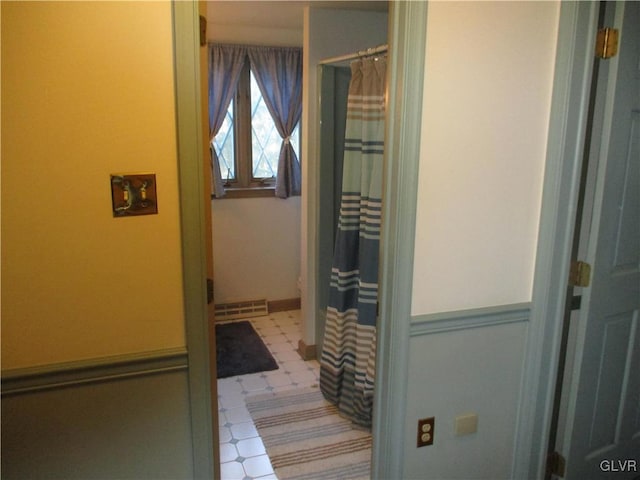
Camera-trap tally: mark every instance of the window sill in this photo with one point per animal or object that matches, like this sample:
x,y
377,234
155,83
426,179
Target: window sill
x,y
253,192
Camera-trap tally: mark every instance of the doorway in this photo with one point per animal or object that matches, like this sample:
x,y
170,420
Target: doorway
x,y
330,10
407,35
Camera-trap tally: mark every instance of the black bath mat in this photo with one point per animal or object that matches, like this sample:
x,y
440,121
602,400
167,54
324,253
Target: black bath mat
x,y
240,350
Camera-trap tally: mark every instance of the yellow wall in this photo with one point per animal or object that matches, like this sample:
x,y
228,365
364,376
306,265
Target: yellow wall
x,y
87,90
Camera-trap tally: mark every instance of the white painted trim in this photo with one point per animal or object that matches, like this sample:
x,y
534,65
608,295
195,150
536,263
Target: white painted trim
x,y
574,60
186,33
82,372
407,42
467,319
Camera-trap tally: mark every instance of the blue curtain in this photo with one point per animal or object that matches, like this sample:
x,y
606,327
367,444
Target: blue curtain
x,y
347,365
225,65
278,72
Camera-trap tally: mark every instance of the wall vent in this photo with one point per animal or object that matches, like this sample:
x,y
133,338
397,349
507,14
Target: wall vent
x,y
246,309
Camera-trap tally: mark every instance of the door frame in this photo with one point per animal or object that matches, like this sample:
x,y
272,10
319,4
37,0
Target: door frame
x,y
565,153
405,82
408,27
186,40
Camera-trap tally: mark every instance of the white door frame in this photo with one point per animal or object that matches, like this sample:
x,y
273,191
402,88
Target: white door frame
x,y
407,26
186,32
407,45
565,150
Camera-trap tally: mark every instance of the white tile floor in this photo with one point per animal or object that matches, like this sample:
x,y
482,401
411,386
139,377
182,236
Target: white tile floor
x,y
242,454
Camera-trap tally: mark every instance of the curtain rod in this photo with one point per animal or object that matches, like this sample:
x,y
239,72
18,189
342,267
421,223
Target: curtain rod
x,y
351,56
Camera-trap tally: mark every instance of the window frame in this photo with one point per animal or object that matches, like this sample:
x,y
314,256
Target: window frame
x,y
243,141
245,184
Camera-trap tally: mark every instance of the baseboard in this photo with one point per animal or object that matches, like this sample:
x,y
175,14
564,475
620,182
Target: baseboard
x,y
307,352
60,375
283,305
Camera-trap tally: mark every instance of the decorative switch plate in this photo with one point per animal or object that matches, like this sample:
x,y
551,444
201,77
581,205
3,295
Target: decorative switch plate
x,y
134,194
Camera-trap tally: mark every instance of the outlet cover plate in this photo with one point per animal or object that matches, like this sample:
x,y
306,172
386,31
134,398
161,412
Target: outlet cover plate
x,y
426,428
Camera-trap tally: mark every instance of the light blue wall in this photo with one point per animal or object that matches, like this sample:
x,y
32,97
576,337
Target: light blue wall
x,y
467,362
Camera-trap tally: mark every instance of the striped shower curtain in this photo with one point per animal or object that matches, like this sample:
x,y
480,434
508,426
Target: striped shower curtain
x,y
347,365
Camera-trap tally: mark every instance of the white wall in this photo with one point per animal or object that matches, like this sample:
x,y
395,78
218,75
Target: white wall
x,y
256,241
256,247
487,91
327,33
487,96
254,23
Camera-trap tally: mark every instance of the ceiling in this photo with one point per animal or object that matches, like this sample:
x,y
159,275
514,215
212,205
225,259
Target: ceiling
x,y
277,14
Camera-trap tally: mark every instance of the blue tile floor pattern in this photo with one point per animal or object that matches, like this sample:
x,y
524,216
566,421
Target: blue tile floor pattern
x,y
242,453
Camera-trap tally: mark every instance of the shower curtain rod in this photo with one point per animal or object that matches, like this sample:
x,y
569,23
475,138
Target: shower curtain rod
x,y
350,56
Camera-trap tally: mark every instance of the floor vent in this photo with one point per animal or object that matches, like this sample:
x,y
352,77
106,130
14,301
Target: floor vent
x,y
250,308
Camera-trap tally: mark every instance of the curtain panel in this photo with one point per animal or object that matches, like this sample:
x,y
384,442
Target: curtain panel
x,y
278,72
225,65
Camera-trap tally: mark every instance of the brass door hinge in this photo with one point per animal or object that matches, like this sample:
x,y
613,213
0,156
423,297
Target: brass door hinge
x,y
607,43
203,30
556,464
580,274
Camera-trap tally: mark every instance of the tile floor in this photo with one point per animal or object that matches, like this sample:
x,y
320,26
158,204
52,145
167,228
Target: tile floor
x,y
242,454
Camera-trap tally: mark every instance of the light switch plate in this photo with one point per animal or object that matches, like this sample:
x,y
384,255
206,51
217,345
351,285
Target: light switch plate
x,y
133,194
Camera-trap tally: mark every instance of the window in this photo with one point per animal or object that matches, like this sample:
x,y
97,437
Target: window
x,y
248,143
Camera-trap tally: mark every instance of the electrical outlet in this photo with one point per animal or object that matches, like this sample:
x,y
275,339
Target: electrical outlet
x,y
425,431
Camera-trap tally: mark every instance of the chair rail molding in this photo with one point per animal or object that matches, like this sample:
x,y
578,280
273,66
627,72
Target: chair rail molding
x,y
472,318
81,372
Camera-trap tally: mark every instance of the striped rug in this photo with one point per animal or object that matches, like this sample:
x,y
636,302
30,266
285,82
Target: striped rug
x,y
307,439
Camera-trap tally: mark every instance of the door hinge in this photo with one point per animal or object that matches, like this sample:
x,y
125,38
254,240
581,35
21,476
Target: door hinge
x,y
203,30
580,274
607,43
556,464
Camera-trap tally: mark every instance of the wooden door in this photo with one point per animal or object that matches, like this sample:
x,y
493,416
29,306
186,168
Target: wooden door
x,y
206,165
